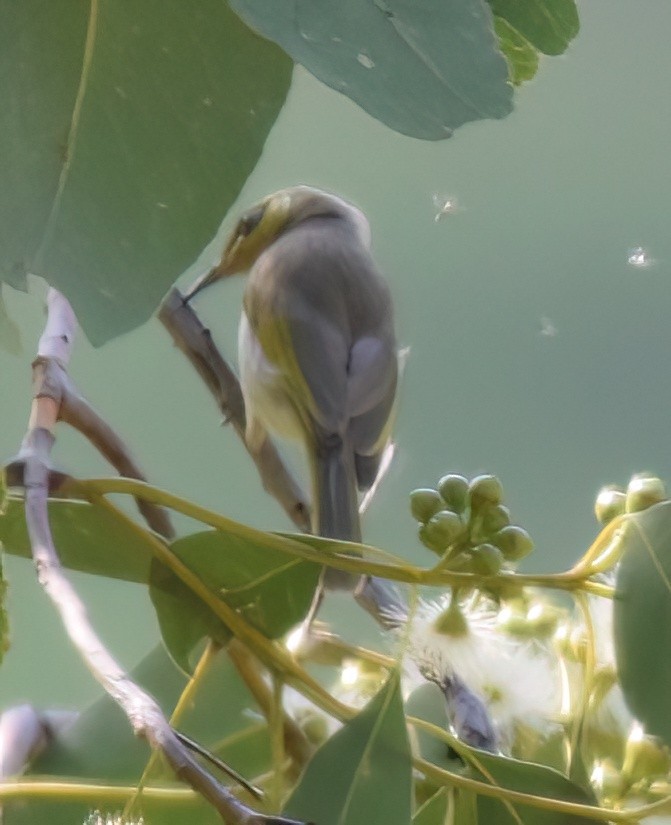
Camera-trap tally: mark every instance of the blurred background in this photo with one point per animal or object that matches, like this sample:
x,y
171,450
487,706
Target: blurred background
x,y
534,304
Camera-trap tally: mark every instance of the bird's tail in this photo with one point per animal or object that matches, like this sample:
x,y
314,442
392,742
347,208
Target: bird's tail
x,y
336,506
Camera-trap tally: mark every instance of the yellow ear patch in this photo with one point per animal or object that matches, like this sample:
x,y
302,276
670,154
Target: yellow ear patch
x,y
275,217
242,250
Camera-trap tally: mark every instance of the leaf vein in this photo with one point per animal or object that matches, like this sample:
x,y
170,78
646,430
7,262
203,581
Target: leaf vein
x,y
87,59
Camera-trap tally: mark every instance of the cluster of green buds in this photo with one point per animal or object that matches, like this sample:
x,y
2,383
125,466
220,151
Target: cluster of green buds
x,y
642,492
647,761
466,523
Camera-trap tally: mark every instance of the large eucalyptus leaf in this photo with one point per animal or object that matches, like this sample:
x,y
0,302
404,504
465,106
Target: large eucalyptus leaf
x,y
428,703
126,132
272,590
86,537
362,774
549,25
422,68
642,618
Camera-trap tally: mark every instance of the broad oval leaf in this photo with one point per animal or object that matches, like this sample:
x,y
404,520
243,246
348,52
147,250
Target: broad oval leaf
x,y
642,618
126,132
362,774
272,590
87,537
549,25
421,68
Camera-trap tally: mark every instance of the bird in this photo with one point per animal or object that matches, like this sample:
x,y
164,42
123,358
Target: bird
x,y
316,345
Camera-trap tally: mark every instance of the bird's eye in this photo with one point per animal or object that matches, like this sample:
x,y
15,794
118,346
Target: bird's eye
x,y
250,221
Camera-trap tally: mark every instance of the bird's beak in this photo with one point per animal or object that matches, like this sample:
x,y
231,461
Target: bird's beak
x,y
204,280
221,270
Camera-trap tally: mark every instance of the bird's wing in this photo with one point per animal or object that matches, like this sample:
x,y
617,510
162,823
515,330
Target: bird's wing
x,y
296,309
372,390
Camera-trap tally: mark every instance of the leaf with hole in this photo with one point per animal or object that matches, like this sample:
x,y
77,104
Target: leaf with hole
x,y
423,69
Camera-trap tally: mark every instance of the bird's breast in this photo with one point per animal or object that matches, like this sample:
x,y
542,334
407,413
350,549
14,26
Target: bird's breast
x,y
264,387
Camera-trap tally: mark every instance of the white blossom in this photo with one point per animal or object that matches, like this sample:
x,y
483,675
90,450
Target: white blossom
x,y
517,679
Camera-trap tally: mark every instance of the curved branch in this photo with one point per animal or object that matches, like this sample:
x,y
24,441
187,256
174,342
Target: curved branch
x,y
142,711
195,341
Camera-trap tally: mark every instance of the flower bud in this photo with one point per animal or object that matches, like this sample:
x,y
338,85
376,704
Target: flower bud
x,y
425,537
485,489
454,490
443,529
513,541
610,503
494,518
644,756
487,560
643,492
543,619
607,780
315,727
425,503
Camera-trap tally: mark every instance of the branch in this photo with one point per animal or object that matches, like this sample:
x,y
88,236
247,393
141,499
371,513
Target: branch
x,y
56,396
144,714
195,341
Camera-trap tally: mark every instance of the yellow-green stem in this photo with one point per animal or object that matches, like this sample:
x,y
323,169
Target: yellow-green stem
x,y
185,699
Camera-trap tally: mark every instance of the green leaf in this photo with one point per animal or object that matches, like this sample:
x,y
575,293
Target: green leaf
x,y
86,536
101,744
530,778
10,337
362,774
434,810
427,702
466,808
521,56
272,590
126,132
421,68
642,618
549,25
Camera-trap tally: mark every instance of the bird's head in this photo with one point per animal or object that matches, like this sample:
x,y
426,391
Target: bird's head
x,y
264,222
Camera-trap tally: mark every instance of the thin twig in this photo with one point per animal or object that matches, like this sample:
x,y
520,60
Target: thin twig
x,y
296,742
195,341
57,392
